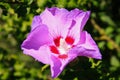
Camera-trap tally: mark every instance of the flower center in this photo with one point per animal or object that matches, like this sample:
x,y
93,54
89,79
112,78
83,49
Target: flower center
x,y
62,46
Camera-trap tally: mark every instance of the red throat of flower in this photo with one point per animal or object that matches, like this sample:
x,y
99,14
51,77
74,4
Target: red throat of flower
x,y
62,46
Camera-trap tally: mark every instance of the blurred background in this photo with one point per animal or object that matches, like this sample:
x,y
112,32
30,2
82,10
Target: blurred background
x,y
104,26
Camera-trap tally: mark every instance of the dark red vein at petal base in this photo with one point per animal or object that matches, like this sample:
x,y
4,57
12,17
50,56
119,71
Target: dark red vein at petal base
x,y
57,41
69,40
53,49
63,56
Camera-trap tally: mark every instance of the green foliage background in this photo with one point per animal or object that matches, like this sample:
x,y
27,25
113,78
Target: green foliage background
x,y
104,26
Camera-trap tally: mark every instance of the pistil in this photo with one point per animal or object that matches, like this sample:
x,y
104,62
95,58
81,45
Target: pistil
x,y
64,46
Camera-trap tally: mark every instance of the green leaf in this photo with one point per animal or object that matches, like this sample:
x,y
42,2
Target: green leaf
x,y
107,19
109,45
114,61
109,30
19,66
75,79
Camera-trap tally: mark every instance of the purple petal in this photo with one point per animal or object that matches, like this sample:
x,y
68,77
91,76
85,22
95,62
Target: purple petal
x,y
78,23
37,37
71,56
85,18
42,54
72,16
60,21
57,64
36,22
87,47
56,21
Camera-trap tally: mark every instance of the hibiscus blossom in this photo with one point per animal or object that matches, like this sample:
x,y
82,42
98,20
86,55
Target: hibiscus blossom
x,y
57,37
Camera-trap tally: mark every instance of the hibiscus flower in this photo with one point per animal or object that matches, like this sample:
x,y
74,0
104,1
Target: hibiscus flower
x,y
57,37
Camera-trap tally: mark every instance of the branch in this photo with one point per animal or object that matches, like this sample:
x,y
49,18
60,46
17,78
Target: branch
x,y
104,36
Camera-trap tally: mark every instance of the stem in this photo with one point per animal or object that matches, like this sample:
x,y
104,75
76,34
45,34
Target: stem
x,y
104,36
